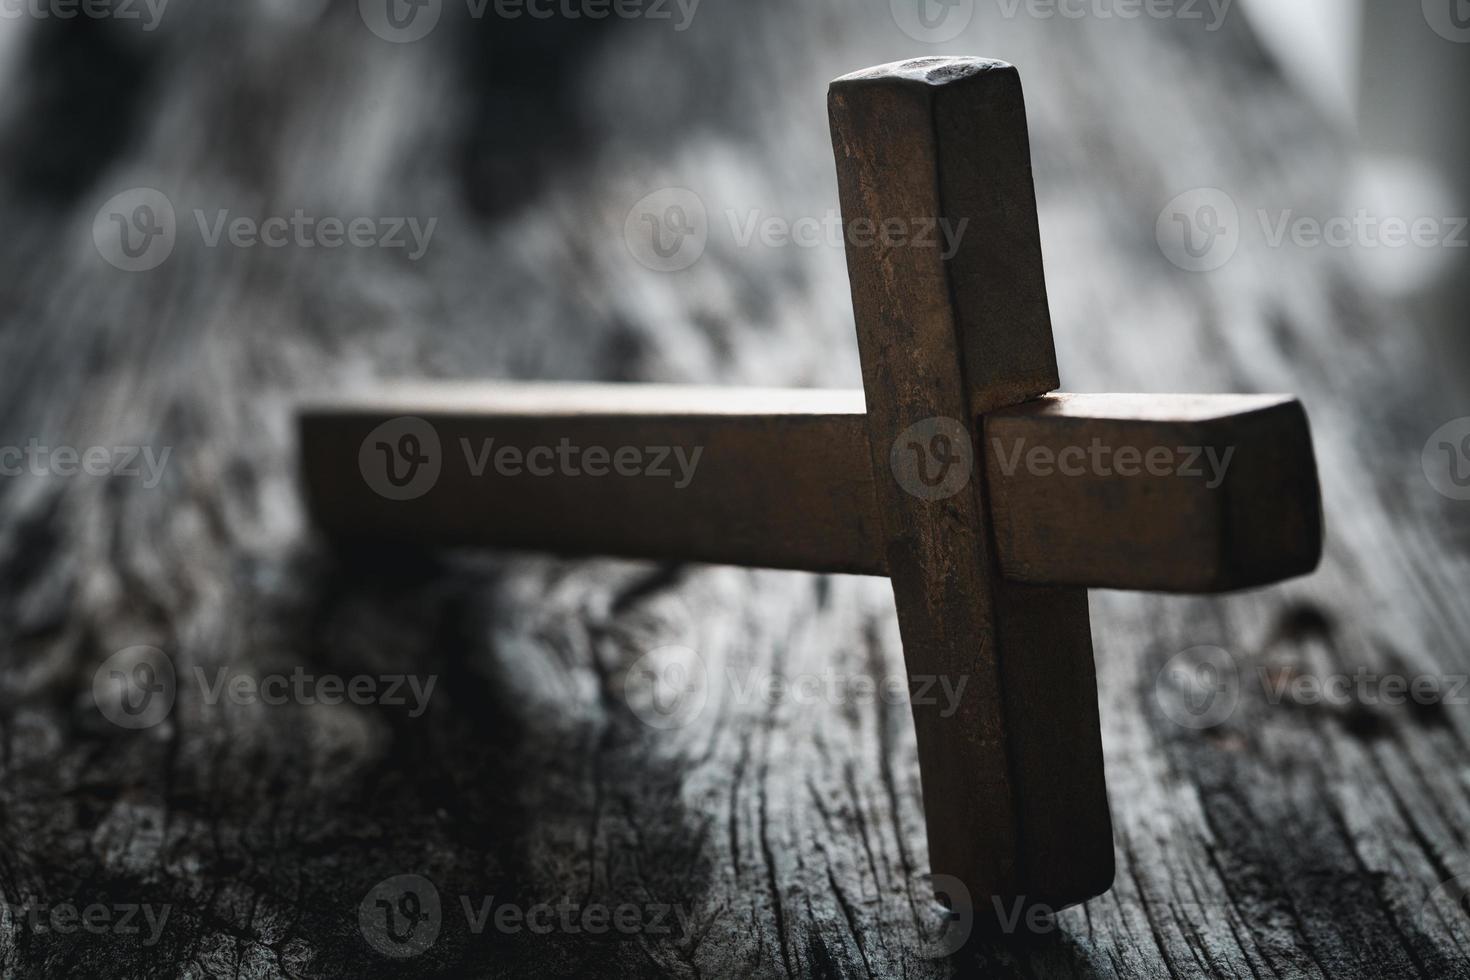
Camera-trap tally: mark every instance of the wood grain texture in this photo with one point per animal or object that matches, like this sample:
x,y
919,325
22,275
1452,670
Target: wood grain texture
x,y
1287,840
1154,492
782,478
1014,795
671,474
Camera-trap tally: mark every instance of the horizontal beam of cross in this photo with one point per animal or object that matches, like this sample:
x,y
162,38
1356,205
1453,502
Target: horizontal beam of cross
x,y
1159,492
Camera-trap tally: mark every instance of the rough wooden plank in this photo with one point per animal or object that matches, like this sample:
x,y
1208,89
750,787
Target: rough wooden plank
x,y
1170,493
769,479
1015,799
774,478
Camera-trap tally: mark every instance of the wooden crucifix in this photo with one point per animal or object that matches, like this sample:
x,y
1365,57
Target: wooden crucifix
x,y
990,504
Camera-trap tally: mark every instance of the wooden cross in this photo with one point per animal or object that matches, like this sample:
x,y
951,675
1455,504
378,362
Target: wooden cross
x,y
990,504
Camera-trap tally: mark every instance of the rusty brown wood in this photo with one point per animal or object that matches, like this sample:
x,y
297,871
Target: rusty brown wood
x,y
783,479
1165,493
1014,796
775,479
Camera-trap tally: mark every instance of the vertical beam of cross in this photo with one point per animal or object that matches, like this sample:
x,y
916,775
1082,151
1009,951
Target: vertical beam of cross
x,y
1013,785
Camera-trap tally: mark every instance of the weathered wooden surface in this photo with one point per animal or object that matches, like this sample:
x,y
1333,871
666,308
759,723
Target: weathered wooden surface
x,y
1287,840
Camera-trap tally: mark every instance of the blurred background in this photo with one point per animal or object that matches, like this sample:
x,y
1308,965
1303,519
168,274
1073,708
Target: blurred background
x,y
529,138
528,134
214,210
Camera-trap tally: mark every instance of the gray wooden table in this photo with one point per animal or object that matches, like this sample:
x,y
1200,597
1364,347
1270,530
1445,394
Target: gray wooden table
x,y
767,835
